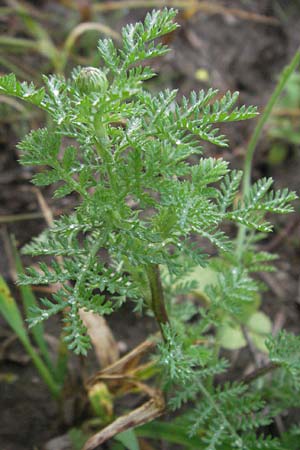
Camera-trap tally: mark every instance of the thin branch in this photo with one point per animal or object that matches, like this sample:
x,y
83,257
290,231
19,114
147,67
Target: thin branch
x,y
250,345
257,373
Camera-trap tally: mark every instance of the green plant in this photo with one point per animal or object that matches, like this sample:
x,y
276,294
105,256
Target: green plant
x,y
284,125
284,78
284,130
125,154
9,309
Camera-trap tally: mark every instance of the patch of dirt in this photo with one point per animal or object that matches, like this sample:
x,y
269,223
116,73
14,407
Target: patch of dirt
x,y
28,414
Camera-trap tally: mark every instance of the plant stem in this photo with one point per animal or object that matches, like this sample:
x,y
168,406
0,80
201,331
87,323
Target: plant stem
x,y
284,77
157,296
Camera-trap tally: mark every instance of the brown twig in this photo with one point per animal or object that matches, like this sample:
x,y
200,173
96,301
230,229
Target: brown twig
x,y
250,346
278,322
273,284
279,424
257,373
47,213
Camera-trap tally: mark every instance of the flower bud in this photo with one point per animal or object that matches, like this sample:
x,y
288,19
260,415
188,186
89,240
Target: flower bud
x,y
91,79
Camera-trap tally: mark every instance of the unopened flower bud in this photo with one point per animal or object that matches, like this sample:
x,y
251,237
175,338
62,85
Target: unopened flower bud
x,y
91,79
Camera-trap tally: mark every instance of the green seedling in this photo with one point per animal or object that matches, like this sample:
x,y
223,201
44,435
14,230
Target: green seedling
x,y
143,219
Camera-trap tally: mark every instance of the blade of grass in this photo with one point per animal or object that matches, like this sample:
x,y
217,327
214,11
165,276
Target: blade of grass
x,y
29,301
128,439
283,79
18,44
43,42
84,28
78,31
11,313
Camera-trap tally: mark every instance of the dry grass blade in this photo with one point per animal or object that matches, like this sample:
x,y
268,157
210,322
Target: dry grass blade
x,y
13,103
238,13
144,414
282,112
47,213
85,27
122,378
105,346
124,364
11,218
204,6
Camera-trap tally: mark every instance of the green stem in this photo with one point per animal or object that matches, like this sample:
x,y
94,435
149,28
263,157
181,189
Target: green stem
x,y
284,77
157,296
